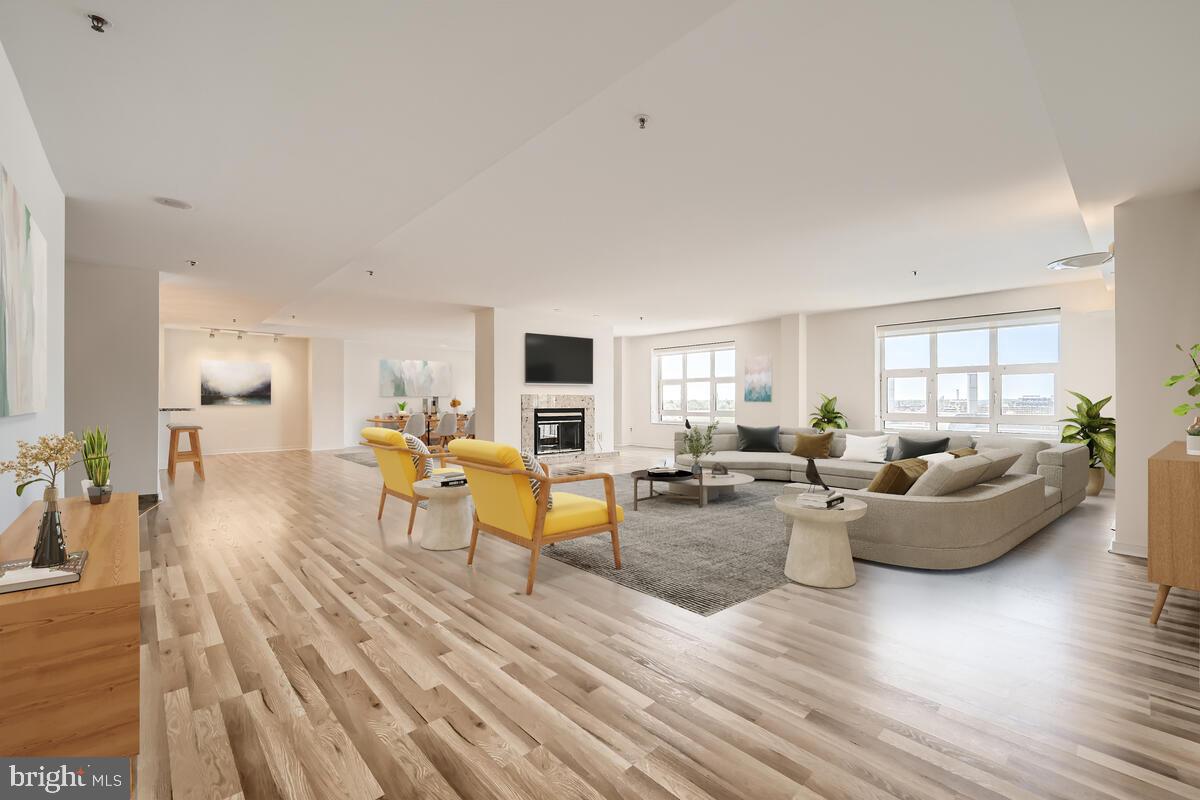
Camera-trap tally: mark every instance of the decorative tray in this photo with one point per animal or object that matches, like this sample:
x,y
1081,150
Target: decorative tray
x,y
668,473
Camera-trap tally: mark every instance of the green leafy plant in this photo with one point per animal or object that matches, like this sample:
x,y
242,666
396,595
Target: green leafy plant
x,y
1193,375
826,416
95,456
698,441
1099,433
400,406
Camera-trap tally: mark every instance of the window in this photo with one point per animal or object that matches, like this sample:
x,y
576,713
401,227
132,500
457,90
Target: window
x,y
698,382
996,374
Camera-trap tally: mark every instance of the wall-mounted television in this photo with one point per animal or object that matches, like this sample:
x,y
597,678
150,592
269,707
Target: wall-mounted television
x,y
557,359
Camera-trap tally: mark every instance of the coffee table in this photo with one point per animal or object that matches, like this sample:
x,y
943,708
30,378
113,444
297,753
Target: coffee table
x,y
699,489
448,523
819,552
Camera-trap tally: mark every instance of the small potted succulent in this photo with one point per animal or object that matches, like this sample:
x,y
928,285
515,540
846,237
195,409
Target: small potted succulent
x,y
98,466
1192,376
825,415
698,442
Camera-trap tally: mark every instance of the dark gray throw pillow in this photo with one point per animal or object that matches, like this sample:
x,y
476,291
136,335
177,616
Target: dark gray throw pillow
x,y
758,440
913,448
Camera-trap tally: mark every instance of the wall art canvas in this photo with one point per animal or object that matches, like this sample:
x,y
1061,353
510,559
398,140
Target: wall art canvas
x,y
758,379
399,378
235,383
22,305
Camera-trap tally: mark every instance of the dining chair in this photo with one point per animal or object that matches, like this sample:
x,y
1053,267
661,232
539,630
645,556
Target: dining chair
x,y
416,425
446,428
469,427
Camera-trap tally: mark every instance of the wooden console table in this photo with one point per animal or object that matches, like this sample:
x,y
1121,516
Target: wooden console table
x,y
69,655
1173,557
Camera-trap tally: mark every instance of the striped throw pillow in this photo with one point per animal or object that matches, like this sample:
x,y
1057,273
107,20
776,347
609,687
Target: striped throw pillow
x,y
535,486
418,449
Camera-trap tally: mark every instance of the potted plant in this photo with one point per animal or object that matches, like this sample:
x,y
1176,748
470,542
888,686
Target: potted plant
x,y
826,416
400,406
698,442
43,462
1099,433
97,464
1183,409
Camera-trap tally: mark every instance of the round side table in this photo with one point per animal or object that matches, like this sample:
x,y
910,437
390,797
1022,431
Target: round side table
x,y
819,553
448,524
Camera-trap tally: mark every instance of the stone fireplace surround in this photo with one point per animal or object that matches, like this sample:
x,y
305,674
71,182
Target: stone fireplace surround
x,y
587,402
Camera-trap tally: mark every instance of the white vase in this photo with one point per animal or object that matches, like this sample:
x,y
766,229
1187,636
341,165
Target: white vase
x,y
1193,445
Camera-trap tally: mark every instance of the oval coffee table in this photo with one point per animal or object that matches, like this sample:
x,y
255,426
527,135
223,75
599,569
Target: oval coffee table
x,y
819,553
448,521
701,489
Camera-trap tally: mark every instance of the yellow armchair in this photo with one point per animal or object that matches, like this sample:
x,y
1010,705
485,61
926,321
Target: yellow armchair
x,y
505,506
400,467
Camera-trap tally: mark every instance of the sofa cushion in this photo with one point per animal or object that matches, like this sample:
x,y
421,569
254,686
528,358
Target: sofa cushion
x,y
898,476
838,446
758,440
910,447
1002,462
1028,448
949,477
865,448
934,458
1053,496
844,467
813,445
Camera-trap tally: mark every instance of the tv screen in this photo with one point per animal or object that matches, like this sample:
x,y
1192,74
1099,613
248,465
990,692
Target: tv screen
x,y
557,359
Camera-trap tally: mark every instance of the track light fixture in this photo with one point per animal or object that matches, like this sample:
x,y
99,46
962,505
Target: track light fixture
x,y
212,333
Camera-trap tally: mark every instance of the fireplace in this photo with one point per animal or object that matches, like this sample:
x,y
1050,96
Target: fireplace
x,y
557,430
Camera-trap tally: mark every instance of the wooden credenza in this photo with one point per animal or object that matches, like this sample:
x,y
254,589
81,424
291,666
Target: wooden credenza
x,y
1173,557
69,655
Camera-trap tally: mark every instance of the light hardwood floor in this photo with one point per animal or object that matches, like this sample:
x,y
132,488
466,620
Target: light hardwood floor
x,y
296,648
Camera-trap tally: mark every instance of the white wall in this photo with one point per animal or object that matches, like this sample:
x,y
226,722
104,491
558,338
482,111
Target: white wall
x,y
326,393
361,381
842,354
282,425
112,369
1158,261
25,161
780,337
500,345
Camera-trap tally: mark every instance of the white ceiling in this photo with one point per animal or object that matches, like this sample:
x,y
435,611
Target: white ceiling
x,y
801,156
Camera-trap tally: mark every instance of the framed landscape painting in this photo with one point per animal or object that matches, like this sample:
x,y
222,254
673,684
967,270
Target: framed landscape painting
x,y
22,305
235,383
398,378
758,379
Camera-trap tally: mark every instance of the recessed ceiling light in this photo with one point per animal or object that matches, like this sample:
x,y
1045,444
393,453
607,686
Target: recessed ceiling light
x,y
1080,262
191,262
212,334
239,336
99,23
642,121
171,202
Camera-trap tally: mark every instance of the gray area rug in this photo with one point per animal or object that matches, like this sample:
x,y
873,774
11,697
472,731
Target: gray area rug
x,y
702,559
364,457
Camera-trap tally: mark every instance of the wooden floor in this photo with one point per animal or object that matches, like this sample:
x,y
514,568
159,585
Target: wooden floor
x,y
296,648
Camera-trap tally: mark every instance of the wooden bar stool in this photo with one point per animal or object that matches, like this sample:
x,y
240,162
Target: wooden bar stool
x,y
193,455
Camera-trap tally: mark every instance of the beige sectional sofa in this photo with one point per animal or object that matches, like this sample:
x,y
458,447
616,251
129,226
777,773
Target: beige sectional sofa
x,y
961,513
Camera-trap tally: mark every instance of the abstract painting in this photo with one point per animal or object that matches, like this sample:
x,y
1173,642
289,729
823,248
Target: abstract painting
x,y
758,379
22,305
235,383
414,378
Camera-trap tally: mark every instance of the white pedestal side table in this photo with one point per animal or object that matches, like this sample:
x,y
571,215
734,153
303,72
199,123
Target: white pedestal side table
x,y
819,553
448,520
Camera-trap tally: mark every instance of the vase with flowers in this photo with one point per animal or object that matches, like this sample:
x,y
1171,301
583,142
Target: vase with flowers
x,y
43,462
698,442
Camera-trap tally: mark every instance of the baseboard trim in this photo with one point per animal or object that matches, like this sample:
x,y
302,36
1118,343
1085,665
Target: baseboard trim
x,y
1125,549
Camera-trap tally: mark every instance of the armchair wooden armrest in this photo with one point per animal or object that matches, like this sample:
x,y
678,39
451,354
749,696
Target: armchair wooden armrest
x,y
610,490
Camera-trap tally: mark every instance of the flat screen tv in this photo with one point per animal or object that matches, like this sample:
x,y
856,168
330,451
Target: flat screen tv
x,y
557,359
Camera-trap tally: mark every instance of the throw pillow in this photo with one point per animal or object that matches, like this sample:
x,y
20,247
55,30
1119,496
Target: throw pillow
x,y
898,476
1002,462
813,445
907,447
758,440
418,449
866,448
935,458
531,465
963,452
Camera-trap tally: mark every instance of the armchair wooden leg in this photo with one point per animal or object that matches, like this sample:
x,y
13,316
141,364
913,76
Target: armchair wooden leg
x,y
382,500
533,561
412,515
616,543
474,541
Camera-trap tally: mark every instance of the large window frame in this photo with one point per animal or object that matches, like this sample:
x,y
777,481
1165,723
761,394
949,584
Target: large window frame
x,y
694,387
997,420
